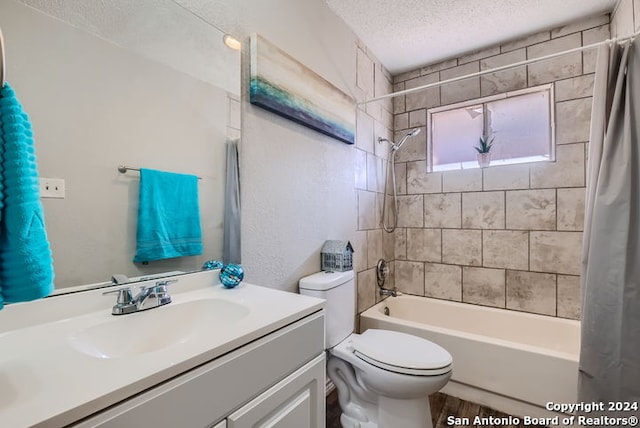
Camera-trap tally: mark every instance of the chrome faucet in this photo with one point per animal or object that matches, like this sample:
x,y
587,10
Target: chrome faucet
x,y
382,270
388,292
148,298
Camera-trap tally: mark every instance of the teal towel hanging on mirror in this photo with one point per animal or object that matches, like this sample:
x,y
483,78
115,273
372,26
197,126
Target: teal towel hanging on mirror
x,y
26,266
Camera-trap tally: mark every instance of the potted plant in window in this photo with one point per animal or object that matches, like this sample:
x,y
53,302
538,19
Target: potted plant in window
x,y
484,151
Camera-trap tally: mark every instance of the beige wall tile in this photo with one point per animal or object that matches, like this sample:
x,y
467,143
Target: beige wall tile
x,y
531,292
422,99
388,245
359,244
507,80
409,277
506,177
505,249
374,247
450,63
407,75
366,210
417,118
526,41
566,171
410,211
571,209
401,178
479,54
462,247
466,89
569,65
443,281
382,85
375,173
361,169
583,24
569,297
398,101
443,210
576,87
531,209
379,210
573,121
421,181
590,37
414,149
424,245
364,131
364,74
483,286
400,121
400,240
382,149
559,252
367,289
483,210
466,180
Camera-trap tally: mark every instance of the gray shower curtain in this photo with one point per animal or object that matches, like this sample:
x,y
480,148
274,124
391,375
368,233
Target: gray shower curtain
x,y
610,347
231,233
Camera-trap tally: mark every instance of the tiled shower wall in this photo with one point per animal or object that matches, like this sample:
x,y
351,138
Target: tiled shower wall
x,y
507,236
373,120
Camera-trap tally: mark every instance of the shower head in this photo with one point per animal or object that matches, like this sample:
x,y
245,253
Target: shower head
x,y
412,133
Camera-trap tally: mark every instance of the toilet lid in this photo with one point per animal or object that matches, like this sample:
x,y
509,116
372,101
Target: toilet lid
x,y
401,352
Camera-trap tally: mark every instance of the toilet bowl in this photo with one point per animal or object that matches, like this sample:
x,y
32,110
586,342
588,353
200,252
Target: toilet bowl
x,y
383,378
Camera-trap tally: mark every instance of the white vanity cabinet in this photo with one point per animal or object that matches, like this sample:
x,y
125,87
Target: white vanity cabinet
x,y
275,381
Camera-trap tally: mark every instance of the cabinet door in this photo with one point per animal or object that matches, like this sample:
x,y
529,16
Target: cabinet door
x,y
297,401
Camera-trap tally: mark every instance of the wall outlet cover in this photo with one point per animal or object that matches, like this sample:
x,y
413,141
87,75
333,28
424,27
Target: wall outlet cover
x,y
52,188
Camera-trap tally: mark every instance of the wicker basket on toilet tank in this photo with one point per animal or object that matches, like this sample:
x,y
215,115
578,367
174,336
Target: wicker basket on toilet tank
x,y
336,256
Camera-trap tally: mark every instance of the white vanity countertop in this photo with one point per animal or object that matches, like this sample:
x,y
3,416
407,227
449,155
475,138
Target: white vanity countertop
x,y
47,380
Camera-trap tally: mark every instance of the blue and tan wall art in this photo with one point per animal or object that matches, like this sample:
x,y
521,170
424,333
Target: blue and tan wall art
x,y
282,85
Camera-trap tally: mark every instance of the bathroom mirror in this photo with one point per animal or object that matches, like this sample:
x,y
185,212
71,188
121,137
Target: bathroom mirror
x,y
143,84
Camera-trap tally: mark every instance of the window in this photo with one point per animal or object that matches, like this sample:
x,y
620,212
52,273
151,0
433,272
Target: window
x,y
520,124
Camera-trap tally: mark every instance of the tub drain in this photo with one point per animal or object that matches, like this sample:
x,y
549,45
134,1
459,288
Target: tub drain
x,y
386,310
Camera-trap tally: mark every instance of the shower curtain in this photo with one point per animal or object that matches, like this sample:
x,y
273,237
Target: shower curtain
x,y
231,232
610,348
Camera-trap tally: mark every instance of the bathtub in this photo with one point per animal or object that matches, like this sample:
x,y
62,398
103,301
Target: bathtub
x,y
514,362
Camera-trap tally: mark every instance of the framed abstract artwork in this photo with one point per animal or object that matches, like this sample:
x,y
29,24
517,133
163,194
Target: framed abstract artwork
x,y
284,86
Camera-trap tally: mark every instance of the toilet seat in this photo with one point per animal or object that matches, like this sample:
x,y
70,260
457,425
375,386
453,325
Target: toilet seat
x,y
401,353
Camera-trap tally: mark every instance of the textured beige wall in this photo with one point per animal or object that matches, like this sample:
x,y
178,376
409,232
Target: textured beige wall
x,y
508,236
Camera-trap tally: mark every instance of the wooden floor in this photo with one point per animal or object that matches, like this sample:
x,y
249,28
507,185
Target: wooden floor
x,y
442,406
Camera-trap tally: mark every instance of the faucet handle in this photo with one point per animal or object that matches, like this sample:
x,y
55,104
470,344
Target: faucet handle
x,y
125,303
124,294
166,282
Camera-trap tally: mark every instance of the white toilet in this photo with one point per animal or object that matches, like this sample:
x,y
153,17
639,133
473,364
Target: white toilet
x,y
383,377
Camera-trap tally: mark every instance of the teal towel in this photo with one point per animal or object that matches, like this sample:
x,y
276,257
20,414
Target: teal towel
x,y
168,216
26,266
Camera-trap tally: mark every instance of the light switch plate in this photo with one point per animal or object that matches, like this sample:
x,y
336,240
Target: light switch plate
x,y
52,187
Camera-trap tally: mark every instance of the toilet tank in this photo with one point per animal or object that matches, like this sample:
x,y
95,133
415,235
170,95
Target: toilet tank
x,y
338,289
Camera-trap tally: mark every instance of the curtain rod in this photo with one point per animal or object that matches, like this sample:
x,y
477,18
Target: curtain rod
x,y
503,67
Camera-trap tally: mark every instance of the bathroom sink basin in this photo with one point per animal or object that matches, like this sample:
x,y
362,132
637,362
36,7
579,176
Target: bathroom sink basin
x,y
155,329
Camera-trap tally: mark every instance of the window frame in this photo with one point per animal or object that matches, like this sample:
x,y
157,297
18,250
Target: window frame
x,y
549,87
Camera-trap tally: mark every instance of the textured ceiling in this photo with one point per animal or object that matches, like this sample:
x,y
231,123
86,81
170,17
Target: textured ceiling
x,y
406,34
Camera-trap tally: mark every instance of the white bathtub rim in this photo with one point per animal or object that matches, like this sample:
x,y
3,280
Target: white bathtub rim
x,y
374,312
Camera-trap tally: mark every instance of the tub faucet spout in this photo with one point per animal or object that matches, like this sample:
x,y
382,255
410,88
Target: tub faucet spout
x,y
388,292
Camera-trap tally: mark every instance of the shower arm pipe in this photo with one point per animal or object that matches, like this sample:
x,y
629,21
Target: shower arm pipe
x,y
501,68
